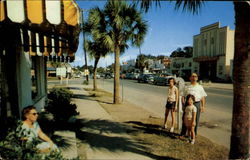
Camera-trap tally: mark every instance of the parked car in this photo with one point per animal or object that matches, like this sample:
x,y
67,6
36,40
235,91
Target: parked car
x,y
146,78
162,79
135,76
128,75
107,75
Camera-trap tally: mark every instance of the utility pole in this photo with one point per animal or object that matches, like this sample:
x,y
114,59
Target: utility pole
x,y
84,49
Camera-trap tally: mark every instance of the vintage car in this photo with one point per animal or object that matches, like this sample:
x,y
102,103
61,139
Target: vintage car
x,y
162,79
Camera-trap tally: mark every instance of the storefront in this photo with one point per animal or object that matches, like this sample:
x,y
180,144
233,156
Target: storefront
x,y
32,33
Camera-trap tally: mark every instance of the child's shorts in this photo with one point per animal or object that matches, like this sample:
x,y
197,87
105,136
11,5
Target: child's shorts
x,y
170,105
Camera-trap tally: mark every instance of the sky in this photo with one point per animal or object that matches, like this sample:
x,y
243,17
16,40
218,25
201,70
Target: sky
x,y
168,28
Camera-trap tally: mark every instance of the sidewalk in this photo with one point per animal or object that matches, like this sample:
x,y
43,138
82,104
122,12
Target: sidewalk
x,y
228,86
104,138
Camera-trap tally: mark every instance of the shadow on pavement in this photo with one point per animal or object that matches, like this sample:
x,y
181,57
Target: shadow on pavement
x,y
89,97
152,129
104,134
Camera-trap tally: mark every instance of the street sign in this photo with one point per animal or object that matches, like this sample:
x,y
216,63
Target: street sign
x,y
86,72
61,72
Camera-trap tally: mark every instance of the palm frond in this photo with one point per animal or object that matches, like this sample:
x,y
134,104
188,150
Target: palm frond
x,y
186,5
189,5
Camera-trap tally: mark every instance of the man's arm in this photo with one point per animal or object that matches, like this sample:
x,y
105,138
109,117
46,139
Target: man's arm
x,y
203,102
177,99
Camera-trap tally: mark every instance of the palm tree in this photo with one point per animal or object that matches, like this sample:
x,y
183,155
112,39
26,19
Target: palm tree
x,y
124,25
94,45
141,62
239,148
96,50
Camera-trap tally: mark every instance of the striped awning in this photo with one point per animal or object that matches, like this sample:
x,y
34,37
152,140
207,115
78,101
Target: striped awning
x,y
47,27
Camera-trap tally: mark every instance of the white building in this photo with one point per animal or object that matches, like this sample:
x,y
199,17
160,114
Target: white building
x,y
129,65
155,66
213,49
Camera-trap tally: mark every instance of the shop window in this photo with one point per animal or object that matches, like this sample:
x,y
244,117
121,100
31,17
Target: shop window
x,y
220,70
34,78
205,42
212,40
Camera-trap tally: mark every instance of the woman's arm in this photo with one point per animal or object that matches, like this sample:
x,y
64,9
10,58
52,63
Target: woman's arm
x,y
44,137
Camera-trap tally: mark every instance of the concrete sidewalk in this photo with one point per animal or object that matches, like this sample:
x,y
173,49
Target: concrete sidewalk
x,y
104,138
228,86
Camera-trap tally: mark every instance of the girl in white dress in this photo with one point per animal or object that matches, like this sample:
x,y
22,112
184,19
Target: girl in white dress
x,y
190,117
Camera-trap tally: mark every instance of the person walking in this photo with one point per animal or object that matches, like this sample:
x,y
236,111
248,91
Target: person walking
x,y
172,101
199,93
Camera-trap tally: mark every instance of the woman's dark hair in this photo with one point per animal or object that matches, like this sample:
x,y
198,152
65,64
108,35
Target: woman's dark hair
x,y
171,79
27,110
189,96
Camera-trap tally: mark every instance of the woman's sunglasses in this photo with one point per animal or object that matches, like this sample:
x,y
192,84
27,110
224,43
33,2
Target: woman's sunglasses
x,y
34,114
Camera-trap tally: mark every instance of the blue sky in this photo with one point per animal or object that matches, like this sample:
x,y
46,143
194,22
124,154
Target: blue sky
x,y
168,28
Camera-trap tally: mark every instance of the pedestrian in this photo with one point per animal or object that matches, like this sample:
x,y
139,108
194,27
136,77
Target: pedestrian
x,y
199,93
172,101
190,117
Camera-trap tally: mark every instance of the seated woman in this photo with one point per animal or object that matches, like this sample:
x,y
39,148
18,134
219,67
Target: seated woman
x,y
31,130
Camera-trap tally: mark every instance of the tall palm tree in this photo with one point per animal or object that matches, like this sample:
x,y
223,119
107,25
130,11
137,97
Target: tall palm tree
x,y
96,50
239,148
94,45
124,25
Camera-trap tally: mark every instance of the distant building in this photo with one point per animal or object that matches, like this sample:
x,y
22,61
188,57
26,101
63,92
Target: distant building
x,y
128,66
155,66
181,66
213,49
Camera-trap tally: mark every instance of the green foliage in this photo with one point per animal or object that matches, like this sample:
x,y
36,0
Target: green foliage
x,y
185,52
14,147
59,104
85,82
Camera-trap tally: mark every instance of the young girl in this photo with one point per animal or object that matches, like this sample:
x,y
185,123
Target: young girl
x,y
171,105
190,117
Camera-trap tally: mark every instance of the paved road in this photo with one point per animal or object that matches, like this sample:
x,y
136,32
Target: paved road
x,y
216,121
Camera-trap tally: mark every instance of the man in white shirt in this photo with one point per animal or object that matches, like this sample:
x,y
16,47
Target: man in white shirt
x,y
199,93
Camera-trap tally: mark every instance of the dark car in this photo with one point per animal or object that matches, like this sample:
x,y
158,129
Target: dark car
x,y
146,78
162,79
107,75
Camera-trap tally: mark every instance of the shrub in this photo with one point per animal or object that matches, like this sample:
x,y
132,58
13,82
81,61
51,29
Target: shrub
x,y
85,82
59,104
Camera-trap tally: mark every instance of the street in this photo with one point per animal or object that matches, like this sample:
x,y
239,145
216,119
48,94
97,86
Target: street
x,y
215,121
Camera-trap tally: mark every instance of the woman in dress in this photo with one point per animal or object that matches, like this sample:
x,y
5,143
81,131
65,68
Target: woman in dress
x,y
31,130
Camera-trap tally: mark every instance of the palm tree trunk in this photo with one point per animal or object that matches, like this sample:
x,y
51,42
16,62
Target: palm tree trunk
x,y
239,148
95,71
116,99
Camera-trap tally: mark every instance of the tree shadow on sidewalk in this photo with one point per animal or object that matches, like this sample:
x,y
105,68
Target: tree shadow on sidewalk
x,y
152,129
112,137
89,97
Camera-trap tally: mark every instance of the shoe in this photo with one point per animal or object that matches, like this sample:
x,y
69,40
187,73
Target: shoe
x,y
172,129
182,138
165,126
192,141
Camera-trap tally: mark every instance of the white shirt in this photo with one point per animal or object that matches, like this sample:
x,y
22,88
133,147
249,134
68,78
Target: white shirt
x,y
189,111
172,93
196,90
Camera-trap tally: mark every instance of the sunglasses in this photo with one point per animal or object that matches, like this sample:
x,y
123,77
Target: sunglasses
x,y
34,114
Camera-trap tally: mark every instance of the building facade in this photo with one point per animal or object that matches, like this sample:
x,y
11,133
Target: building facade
x,y
213,50
28,40
182,67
